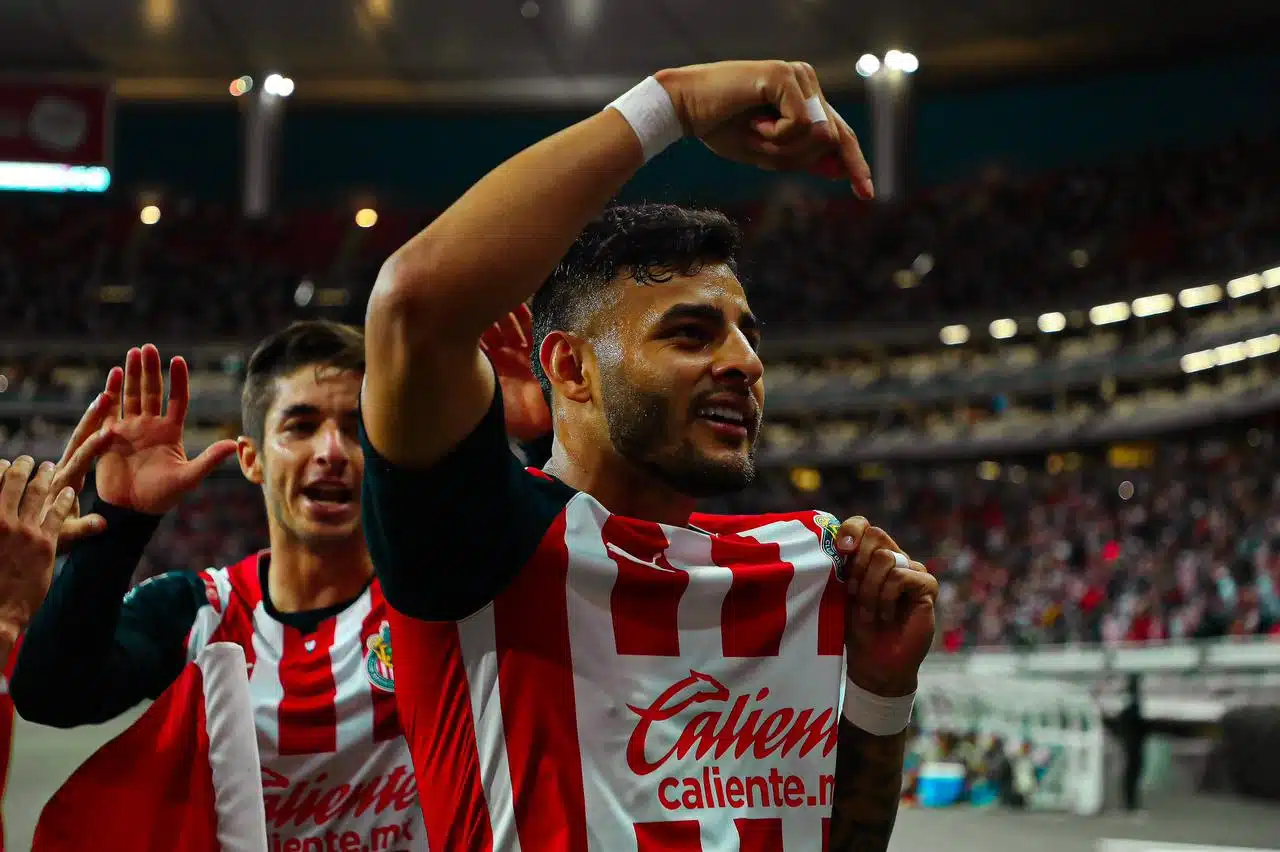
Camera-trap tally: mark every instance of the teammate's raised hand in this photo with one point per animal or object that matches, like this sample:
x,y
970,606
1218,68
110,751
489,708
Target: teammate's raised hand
x,y
509,345
146,468
770,114
87,441
891,618
33,511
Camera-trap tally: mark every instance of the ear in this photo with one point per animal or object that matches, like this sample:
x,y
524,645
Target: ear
x,y
249,458
561,357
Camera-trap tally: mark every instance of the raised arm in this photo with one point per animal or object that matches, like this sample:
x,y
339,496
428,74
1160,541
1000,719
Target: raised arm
x,y
87,656
427,383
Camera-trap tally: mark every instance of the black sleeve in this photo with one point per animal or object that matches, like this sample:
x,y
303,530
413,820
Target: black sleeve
x,y
87,656
446,539
538,451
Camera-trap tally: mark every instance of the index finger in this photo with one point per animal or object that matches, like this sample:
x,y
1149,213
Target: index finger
x,y
73,471
855,162
179,390
90,422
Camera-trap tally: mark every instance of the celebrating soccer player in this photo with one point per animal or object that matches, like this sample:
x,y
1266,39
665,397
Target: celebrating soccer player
x,y
583,661
309,616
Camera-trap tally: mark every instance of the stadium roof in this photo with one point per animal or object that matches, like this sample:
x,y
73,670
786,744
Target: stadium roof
x,y
580,51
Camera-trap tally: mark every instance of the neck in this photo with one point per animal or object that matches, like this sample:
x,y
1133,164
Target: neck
x,y
302,578
620,486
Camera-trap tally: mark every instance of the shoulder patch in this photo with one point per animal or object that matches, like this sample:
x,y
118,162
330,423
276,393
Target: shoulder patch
x,y
377,660
830,526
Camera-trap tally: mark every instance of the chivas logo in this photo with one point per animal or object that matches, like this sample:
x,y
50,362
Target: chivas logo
x,y
377,662
830,529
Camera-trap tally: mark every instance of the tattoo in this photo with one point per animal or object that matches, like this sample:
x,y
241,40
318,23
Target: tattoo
x,y
868,786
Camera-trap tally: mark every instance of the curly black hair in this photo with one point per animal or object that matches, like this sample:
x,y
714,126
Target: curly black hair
x,y
649,243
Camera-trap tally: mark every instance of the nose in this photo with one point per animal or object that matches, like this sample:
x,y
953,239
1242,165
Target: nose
x,y
737,360
331,447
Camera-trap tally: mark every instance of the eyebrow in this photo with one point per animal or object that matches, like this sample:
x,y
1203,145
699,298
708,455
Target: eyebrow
x,y
300,409
707,313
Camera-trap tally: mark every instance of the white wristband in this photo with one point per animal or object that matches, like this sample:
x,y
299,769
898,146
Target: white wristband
x,y
648,109
875,714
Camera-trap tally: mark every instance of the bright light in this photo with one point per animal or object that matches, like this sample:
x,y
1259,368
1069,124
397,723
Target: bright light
x,y
366,217
1246,286
1194,362
277,85
867,65
53,177
1052,322
1195,297
303,295
1230,353
1003,329
989,471
149,215
1157,303
954,335
1109,313
897,60
1272,277
1267,344
241,86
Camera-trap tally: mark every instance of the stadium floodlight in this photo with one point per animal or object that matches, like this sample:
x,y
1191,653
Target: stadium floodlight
x,y
1109,313
1196,297
1267,344
1052,322
897,60
1230,353
1156,303
954,335
1244,286
366,217
1194,362
1003,329
275,84
241,86
867,65
1271,278
149,215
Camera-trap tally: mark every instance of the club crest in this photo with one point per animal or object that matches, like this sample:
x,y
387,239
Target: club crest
x,y
377,660
830,529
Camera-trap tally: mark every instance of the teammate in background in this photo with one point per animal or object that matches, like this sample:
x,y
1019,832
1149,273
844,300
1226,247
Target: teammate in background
x,y
584,662
37,517
307,612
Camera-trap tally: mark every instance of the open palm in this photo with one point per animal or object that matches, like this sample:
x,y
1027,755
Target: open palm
x,y
509,345
146,468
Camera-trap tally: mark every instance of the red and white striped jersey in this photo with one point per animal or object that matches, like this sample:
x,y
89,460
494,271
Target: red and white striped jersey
x,y
635,687
336,770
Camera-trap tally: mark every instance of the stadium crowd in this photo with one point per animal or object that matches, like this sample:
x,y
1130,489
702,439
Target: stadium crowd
x,y
999,242
1189,547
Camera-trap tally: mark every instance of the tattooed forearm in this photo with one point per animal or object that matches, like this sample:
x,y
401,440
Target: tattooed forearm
x,y
867,788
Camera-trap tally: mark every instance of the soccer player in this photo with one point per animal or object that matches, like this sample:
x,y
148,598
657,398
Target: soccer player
x,y
583,661
307,612
37,515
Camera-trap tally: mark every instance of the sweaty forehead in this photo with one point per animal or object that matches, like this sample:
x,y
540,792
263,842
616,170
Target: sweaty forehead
x,y
713,286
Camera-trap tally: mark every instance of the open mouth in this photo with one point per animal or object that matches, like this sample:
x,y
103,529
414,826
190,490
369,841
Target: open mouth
x,y
732,422
723,414
329,495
